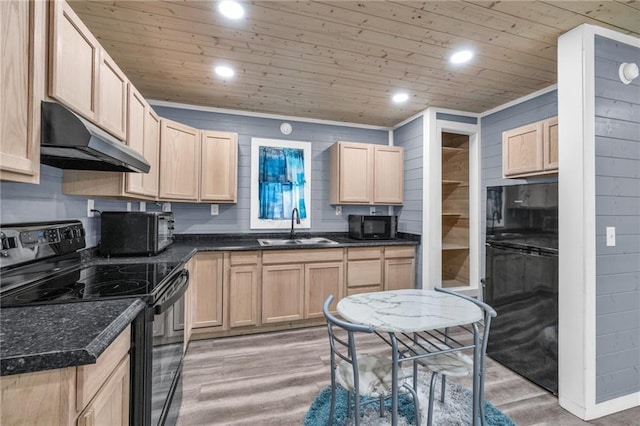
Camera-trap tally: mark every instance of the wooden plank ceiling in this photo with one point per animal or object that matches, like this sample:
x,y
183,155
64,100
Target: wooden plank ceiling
x,y
343,60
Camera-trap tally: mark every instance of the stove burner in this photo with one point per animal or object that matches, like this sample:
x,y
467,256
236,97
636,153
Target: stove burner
x,y
45,294
114,288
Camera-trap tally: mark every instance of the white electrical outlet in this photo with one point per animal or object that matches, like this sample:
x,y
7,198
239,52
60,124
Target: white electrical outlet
x,y
611,236
128,206
166,207
338,210
90,206
372,210
143,206
214,209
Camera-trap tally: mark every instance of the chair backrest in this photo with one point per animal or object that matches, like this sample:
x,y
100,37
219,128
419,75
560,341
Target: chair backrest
x,y
345,349
488,313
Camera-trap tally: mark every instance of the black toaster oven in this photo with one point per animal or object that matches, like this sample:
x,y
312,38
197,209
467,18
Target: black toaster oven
x,y
135,233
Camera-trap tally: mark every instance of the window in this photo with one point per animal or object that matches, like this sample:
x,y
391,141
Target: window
x,y
280,182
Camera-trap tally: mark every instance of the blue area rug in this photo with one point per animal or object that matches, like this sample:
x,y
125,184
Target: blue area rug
x,y
456,411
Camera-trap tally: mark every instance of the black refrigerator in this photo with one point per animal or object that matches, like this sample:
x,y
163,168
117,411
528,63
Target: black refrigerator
x,y
521,280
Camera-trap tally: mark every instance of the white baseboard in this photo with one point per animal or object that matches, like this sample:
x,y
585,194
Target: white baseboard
x,y
602,409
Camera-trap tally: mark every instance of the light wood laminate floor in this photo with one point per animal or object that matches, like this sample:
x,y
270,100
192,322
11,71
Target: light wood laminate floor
x,y
272,378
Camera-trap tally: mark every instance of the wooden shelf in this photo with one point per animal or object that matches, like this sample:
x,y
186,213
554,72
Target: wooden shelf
x,y
449,246
452,182
453,283
449,151
451,214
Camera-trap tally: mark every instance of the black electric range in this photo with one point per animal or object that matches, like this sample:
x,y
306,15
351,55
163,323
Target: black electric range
x,y
40,263
103,281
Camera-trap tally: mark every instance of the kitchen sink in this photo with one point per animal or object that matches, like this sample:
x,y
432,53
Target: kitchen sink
x,y
297,241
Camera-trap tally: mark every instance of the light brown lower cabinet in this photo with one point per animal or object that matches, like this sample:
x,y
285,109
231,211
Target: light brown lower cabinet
x,y
206,281
111,405
364,269
282,293
243,289
249,291
399,268
320,281
93,394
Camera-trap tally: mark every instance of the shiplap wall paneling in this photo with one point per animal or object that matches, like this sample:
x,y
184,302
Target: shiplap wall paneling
x,y
617,165
410,137
197,218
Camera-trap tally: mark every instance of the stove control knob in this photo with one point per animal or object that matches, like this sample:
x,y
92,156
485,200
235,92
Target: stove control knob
x,y
67,234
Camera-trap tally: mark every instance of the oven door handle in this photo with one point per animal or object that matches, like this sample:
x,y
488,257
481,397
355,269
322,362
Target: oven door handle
x,y
178,292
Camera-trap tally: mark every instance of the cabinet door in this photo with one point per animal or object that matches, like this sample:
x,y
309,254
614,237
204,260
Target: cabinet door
x,y
399,274
151,151
74,58
135,137
112,97
320,281
282,293
110,407
179,169
550,144
364,273
22,66
243,295
207,280
355,173
388,172
219,160
522,150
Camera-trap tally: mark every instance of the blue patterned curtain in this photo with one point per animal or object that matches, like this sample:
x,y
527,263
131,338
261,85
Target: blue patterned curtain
x,y
281,182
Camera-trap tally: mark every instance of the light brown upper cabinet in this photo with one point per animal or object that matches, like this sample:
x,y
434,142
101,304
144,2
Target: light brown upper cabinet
x,y
22,66
112,97
550,145
531,150
218,166
83,76
363,173
143,135
74,57
179,163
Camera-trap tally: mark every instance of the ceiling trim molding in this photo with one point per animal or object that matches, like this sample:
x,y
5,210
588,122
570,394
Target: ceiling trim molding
x,y
263,115
519,100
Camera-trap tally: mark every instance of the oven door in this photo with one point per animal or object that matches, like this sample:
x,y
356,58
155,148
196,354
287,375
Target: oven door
x,y
167,353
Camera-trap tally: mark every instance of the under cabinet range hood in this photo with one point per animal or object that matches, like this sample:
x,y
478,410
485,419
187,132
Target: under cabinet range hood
x,y
70,142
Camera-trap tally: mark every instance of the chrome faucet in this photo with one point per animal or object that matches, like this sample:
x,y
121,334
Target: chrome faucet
x,y
292,234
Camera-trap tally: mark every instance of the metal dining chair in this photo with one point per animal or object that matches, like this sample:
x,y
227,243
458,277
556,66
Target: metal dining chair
x,y
456,364
363,375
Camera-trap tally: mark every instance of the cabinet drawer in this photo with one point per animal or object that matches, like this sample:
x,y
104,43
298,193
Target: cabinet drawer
x,y
364,253
296,256
364,273
91,377
396,252
244,258
364,289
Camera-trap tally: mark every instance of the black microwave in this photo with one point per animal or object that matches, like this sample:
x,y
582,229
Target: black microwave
x,y
129,233
364,227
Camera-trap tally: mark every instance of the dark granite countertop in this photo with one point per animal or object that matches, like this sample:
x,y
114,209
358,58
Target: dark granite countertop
x,y
186,245
47,337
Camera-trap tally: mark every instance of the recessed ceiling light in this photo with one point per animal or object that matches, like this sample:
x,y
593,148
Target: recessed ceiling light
x,y
231,9
400,97
224,71
461,57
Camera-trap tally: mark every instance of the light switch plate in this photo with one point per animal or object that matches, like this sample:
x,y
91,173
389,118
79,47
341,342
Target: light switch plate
x,y
90,207
214,209
611,236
